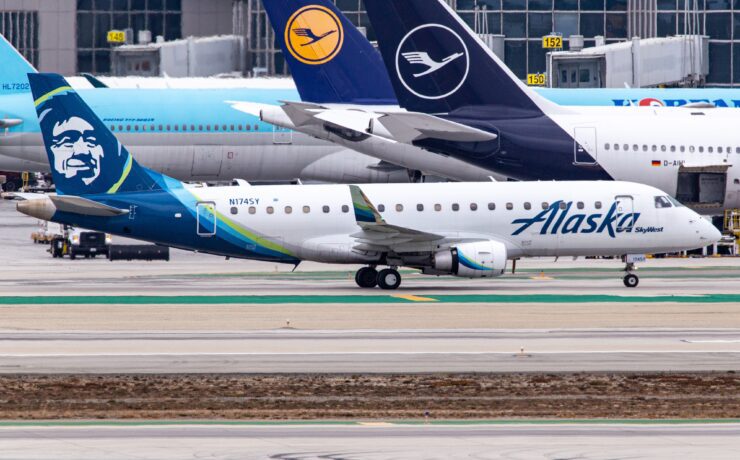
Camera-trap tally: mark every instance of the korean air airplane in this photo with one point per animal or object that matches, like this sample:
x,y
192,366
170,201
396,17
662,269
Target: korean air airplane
x,y
469,230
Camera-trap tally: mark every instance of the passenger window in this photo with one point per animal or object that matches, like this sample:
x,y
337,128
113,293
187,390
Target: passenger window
x,y
635,148
252,210
232,127
223,127
527,206
710,149
168,128
399,208
208,127
345,208
597,205
288,210
136,127
662,148
737,149
616,146
491,206
509,206
455,207
192,127
673,148
143,127
563,205
683,149
701,149
160,127
691,149
438,207
655,148
545,205
606,146
644,147
626,147
473,206
581,205
270,210
420,207
128,127
249,127
200,127
306,209
719,149
381,208
326,209
662,202
151,128
256,127
234,210
215,127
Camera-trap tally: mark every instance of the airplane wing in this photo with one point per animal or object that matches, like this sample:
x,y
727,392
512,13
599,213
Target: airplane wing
x,y
85,207
377,234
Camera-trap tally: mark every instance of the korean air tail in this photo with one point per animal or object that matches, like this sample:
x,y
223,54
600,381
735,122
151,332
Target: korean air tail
x,y
437,64
85,157
13,69
331,61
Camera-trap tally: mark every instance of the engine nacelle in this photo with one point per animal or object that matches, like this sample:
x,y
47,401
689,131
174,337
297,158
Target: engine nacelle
x,y
484,259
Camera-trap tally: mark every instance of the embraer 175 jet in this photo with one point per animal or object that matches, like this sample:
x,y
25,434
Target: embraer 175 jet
x,y
463,229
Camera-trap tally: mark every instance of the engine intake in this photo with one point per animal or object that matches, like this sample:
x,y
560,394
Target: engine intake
x,y
484,259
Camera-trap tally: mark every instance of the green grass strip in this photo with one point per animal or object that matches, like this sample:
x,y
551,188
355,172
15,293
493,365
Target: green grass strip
x,y
361,299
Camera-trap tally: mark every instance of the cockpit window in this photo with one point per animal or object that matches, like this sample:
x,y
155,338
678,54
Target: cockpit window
x,y
675,202
662,202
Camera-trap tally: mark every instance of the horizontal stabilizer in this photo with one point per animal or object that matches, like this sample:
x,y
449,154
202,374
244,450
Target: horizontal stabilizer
x,y
412,126
85,207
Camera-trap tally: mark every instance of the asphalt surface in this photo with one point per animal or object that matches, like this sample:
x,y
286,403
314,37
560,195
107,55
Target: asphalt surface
x,y
373,441
293,351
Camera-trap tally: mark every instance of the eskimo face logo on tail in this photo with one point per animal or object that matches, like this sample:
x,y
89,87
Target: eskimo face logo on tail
x,y
314,35
76,150
432,61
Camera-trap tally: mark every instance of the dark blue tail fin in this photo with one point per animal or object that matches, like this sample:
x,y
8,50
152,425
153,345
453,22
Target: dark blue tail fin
x,y
437,64
331,61
85,157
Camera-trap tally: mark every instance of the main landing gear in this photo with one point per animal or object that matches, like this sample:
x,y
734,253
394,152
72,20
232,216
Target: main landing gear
x,y
387,279
630,279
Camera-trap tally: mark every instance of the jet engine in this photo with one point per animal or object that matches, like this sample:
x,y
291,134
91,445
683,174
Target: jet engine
x,y
484,259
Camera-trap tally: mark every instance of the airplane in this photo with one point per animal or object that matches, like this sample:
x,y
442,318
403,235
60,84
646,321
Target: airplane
x,y
529,137
468,230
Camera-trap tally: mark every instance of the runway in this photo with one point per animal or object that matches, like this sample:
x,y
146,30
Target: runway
x,y
372,441
400,351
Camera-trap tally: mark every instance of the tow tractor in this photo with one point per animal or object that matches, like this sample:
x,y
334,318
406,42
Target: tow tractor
x,y
79,242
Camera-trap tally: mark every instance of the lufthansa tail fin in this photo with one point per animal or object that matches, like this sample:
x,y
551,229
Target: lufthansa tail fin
x,y
85,157
331,61
437,64
13,69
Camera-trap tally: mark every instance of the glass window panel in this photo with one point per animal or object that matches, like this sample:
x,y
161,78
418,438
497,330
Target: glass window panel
x,y
592,5
120,20
540,5
569,5
515,4
84,61
138,22
120,5
515,25
104,5
156,24
102,62
540,24
616,25
717,5
172,27
102,26
592,24
667,4
348,5
494,23
566,24
719,25
174,5
469,19
86,5
666,24
84,30
156,5
536,57
138,5
736,64
719,63
516,57
491,4
616,5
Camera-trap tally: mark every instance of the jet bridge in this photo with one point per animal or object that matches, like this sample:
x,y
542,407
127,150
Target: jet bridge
x,y
669,61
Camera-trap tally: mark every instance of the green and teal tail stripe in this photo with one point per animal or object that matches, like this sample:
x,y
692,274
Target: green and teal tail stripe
x,y
364,210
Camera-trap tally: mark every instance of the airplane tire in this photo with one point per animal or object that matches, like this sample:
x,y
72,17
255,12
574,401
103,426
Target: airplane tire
x,y
389,279
631,281
366,277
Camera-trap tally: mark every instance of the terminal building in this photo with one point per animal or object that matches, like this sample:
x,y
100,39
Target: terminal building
x,y
70,36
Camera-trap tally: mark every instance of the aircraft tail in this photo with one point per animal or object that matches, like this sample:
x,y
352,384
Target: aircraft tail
x,y
437,64
13,69
331,61
84,155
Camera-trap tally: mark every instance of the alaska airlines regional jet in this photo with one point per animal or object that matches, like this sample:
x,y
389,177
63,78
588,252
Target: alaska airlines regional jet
x,y
464,229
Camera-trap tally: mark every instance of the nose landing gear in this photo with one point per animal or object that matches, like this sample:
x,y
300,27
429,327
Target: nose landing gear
x,y
630,279
368,277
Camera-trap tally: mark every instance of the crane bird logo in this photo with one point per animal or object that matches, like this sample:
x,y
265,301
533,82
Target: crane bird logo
x,y
432,61
314,35
423,58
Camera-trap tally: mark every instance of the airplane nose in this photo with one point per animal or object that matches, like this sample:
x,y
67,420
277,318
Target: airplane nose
x,y
708,232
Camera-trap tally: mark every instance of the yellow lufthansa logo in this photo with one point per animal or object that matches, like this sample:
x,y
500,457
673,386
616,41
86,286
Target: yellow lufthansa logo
x,y
314,35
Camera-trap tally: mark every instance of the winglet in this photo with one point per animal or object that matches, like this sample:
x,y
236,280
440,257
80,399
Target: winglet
x,y
93,80
365,212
